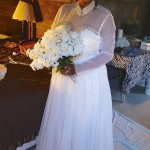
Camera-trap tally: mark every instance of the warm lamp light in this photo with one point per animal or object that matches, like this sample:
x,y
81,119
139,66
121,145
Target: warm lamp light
x,y
24,12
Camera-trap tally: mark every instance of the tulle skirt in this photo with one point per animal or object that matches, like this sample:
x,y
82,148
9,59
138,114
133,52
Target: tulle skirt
x,y
78,115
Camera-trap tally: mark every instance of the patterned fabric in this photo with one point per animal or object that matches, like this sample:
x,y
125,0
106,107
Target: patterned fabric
x,y
137,68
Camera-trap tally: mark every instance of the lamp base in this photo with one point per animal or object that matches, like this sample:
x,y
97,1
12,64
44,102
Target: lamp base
x,y
34,31
24,30
28,31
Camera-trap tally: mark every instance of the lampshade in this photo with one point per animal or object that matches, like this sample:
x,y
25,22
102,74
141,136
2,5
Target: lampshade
x,y
24,11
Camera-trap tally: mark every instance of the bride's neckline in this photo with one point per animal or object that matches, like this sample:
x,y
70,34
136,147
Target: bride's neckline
x,y
85,10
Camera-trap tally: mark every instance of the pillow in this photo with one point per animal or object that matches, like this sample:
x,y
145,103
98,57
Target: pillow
x,y
10,44
3,36
122,42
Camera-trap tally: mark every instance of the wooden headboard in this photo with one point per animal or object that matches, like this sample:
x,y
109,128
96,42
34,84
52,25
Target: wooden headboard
x,y
9,26
49,9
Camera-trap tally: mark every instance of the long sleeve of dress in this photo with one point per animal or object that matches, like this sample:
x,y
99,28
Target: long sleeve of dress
x,y
107,32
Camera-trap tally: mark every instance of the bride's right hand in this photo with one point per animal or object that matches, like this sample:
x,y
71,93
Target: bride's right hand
x,y
68,70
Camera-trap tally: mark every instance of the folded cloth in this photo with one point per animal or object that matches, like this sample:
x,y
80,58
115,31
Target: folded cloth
x,y
122,42
10,44
23,48
131,52
3,71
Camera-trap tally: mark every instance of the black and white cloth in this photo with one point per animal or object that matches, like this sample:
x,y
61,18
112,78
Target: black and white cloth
x,y
137,67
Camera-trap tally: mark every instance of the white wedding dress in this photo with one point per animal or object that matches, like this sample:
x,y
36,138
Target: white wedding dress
x,y
78,116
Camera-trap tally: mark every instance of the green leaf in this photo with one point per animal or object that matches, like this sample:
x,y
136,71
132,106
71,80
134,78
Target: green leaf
x,y
63,62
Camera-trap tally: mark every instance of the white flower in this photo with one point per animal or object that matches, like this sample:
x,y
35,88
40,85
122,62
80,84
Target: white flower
x,y
55,44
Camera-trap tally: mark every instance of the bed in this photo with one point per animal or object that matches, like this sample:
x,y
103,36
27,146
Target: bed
x,y
129,135
23,94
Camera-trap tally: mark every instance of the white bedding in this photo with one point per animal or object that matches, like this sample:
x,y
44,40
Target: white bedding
x,y
128,135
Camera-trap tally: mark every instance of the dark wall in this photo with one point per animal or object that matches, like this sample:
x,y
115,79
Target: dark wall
x,y
7,24
49,9
146,20
123,11
127,11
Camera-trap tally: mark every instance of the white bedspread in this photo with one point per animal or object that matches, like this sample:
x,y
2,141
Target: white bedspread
x,y
128,135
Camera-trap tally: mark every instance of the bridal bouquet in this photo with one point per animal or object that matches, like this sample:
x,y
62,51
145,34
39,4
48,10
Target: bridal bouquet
x,y
56,49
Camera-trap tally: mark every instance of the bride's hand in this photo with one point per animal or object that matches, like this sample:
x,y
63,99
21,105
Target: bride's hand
x,y
68,70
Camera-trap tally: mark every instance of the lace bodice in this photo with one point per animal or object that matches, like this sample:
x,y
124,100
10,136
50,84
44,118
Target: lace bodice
x,y
92,43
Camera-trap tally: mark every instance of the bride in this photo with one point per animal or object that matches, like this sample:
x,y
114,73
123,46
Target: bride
x,y
78,115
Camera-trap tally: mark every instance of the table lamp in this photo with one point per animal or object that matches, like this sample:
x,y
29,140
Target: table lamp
x,y
24,12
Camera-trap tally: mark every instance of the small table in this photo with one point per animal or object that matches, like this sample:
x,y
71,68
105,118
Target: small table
x,y
136,68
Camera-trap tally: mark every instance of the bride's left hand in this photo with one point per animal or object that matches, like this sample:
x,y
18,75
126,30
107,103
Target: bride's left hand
x,y
68,70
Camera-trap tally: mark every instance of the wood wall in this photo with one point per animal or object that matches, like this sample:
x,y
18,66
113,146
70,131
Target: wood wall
x,y
7,24
49,9
123,10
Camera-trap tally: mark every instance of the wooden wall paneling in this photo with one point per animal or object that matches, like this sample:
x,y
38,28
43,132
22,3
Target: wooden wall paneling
x,y
7,24
49,9
121,9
